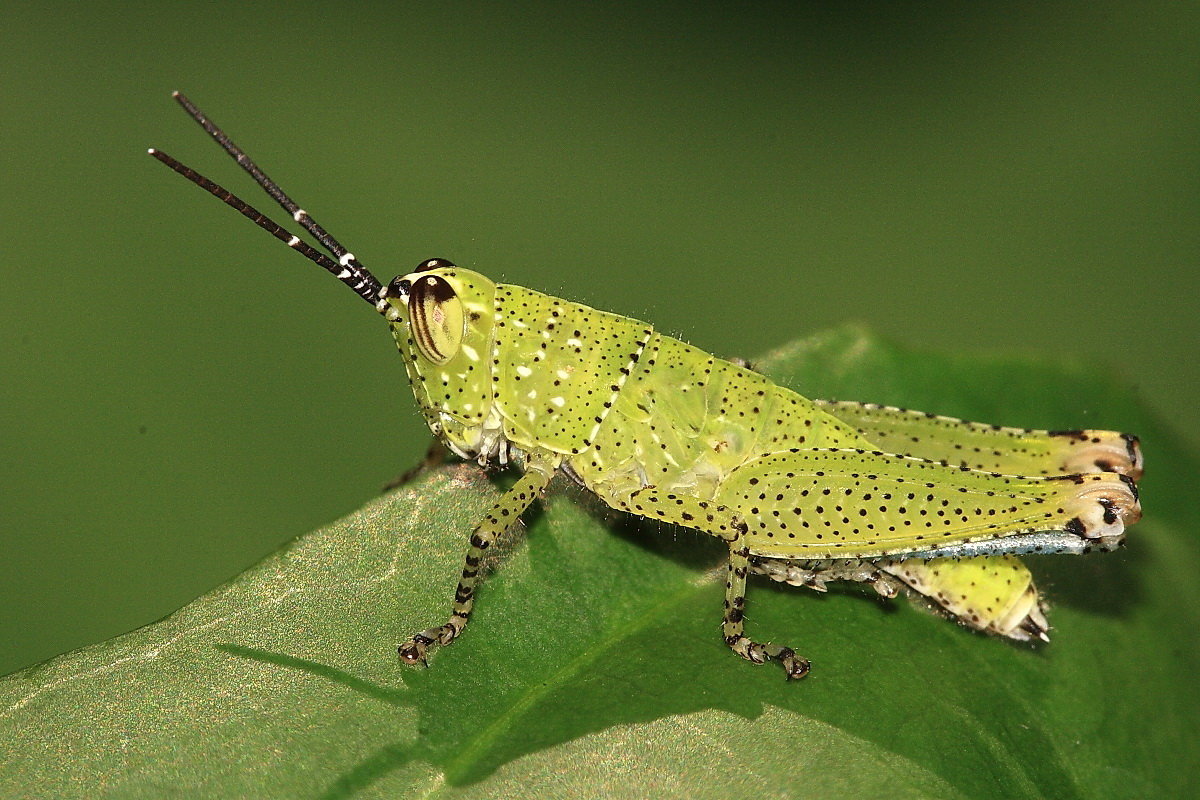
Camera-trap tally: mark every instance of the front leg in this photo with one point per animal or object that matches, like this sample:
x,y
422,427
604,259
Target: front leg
x,y
504,515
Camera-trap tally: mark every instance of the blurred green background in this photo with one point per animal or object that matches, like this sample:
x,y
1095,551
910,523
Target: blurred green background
x,y
179,394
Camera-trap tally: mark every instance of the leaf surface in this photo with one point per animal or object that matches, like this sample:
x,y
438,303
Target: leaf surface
x,y
594,664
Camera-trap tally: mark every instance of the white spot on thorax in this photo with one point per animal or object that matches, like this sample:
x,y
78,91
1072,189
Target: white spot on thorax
x,y
524,371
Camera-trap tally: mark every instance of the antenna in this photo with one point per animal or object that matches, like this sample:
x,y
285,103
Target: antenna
x,y
346,268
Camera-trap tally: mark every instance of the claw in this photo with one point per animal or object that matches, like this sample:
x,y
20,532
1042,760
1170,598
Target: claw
x,y
413,651
794,667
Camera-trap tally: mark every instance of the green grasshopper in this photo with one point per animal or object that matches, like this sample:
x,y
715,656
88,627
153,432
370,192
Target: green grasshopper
x,y
802,491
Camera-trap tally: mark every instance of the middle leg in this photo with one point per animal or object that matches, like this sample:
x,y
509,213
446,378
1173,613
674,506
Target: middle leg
x,y
719,521
734,622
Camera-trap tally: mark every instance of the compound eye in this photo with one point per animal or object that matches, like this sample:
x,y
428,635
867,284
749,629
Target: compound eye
x,y
434,263
436,317
399,288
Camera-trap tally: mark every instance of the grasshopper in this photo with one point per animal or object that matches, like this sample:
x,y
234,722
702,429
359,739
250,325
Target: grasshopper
x,y
802,491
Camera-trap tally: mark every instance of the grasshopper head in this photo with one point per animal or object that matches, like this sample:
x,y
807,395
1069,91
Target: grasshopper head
x,y
441,318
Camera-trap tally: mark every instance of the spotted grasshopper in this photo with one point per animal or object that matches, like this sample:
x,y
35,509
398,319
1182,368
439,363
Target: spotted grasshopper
x,y
802,491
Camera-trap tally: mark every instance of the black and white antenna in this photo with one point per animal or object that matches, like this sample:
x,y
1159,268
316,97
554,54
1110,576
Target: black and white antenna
x,y
346,268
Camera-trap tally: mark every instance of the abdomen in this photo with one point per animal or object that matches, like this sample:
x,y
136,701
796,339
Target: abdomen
x,y
684,420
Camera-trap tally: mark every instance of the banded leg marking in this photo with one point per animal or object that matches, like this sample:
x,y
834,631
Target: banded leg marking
x,y
504,515
720,521
734,622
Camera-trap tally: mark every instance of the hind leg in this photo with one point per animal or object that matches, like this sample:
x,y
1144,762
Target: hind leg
x,y
992,448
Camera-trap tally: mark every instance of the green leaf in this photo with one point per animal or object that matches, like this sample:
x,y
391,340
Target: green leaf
x,y
594,664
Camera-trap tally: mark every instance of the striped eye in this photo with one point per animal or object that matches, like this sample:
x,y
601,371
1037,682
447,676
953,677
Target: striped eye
x,y
436,317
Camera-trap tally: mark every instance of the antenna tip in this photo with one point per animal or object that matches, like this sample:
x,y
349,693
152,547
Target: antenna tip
x,y
175,93
151,151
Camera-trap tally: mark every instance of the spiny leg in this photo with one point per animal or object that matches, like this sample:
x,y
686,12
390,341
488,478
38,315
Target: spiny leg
x,y
718,520
504,515
734,622
815,574
995,594
825,502
1012,606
